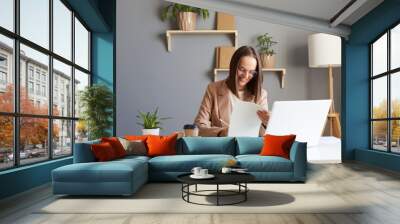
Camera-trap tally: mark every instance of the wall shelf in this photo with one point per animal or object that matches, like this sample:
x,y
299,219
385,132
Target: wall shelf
x,y
169,34
280,71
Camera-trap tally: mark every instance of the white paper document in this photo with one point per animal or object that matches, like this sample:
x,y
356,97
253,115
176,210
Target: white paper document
x,y
303,118
244,120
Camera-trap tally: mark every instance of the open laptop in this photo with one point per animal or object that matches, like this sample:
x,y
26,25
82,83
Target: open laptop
x,y
304,118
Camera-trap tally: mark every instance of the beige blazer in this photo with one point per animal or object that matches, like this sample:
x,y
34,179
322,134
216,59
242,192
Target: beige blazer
x,y
216,107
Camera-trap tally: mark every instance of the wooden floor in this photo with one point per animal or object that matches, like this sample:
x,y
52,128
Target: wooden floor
x,y
377,188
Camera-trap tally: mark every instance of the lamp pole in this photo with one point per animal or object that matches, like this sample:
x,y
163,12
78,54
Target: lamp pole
x,y
333,117
330,73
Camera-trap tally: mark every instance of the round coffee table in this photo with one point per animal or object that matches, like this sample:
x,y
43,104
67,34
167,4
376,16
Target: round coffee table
x,y
238,179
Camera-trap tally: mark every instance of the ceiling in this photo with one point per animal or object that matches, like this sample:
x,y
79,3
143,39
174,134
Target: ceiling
x,y
315,15
319,9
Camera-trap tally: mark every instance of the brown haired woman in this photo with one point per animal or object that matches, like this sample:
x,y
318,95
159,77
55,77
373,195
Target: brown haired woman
x,y
244,83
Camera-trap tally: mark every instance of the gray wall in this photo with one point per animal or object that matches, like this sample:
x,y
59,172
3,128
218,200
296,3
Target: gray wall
x,y
148,76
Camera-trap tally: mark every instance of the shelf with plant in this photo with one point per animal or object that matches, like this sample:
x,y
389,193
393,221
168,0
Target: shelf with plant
x,y
267,54
186,18
185,15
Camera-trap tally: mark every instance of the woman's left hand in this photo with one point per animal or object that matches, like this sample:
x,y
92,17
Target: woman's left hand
x,y
264,116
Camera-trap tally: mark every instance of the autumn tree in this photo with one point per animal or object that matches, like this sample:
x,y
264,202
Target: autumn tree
x,y
380,127
6,122
33,131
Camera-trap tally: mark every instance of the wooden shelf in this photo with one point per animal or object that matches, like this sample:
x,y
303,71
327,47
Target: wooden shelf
x,y
169,34
280,71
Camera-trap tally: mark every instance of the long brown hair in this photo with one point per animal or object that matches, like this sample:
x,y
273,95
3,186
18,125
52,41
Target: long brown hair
x,y
254,85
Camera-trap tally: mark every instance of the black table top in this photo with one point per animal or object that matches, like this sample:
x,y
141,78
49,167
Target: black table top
x,y
220,178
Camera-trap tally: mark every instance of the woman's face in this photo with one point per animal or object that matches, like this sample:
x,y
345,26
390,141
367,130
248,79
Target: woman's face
x,y
246,70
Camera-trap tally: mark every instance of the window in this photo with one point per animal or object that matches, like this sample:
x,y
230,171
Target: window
x,y
81,45
3,72
38,89
7,14
6,73
81,81
385,94
62,140
6,143
30,87
62,74
62,29
3,78
44,91
45,131
35,21
37,74
30,72
3,61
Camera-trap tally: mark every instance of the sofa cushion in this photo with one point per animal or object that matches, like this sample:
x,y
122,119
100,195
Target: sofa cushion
x,y
83,153
111,171
249,145
136,137
161,145
277,145
103,152
209,145
257,163
131,158
185,163
134,147
116,145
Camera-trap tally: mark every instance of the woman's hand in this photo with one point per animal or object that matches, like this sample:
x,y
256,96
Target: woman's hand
x,y
264,116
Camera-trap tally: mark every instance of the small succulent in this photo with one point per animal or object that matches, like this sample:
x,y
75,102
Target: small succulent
x,y
150,120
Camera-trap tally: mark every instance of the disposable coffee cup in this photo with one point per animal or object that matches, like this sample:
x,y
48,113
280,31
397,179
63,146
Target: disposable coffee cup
x,y
191,130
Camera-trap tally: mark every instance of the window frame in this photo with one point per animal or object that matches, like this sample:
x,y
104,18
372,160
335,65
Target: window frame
x,y
388,74
16,114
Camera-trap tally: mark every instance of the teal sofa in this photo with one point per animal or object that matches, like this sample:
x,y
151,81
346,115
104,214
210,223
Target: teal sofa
x,y
125,176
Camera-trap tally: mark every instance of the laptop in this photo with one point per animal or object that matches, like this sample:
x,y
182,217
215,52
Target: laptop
x,y
303,118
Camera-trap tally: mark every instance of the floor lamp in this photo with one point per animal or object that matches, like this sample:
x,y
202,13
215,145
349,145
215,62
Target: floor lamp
x,y
324,51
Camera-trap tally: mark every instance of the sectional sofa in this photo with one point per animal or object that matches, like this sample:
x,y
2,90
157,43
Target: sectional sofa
x,y
125,176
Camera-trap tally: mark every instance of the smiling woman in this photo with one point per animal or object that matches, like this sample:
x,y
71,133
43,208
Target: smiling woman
x,y
243,83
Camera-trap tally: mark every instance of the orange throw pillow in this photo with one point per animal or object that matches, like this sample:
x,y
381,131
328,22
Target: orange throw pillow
x,y
103,152
136,137
275,145
161,145
116,145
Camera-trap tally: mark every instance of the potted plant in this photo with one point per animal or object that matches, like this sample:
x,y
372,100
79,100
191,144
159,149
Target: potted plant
x,y
184,14
150,121
267,54
96,102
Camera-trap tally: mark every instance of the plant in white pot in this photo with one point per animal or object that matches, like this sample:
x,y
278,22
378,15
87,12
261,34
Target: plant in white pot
x,y
150,121
267,54
185,15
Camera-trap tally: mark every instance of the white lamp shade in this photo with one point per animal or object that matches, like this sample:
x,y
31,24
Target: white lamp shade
x,y
324,50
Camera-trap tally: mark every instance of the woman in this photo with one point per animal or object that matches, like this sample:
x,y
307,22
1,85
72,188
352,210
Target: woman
x,y
244,82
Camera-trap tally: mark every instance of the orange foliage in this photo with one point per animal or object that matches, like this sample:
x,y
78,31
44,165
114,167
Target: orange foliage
x,y
33,130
